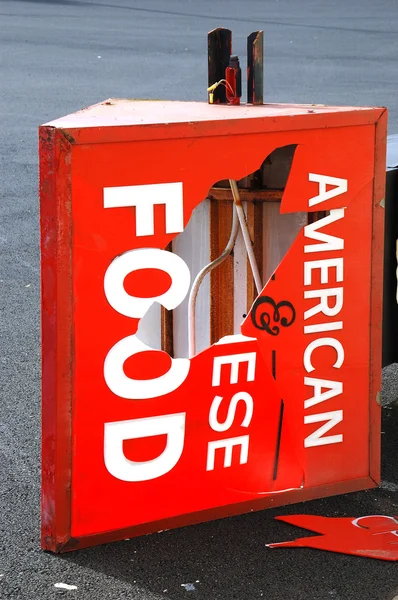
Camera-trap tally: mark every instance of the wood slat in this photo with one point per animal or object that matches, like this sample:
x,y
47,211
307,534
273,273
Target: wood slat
x,y
246,195
221,278
219,46
255,67
166,325
315,216
255,227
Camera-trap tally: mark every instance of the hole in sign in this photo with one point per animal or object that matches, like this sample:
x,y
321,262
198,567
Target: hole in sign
x,y
229,291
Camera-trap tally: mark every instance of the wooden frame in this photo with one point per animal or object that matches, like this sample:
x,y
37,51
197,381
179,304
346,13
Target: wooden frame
x,y
222,278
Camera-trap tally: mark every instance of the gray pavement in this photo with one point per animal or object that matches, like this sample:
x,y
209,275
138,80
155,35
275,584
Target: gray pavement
x,y
57,57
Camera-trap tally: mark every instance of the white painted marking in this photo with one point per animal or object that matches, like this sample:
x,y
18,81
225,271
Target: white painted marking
x,y
189,587
65,586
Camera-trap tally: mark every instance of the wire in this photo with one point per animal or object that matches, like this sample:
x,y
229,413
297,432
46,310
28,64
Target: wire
x,y
211,89
238,218
246,235
199,278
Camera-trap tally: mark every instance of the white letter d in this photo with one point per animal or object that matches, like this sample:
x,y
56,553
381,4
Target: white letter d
x,y
127,470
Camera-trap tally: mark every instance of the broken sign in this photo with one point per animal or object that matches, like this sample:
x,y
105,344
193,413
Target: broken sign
x,y
373,536
138,436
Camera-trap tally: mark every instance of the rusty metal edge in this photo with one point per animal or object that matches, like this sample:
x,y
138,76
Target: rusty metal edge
x,y
222,127
56,298
280,499
376,304
255,68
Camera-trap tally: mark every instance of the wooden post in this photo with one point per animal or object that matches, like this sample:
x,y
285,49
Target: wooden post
x,y
219,44
255,67
166,327
222,278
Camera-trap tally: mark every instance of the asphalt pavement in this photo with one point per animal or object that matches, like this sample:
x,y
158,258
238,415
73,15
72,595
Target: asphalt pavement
x,y
57,56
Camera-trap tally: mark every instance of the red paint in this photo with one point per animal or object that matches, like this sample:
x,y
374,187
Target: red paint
x,y
82,241
373,536
147,365
147,283
350,458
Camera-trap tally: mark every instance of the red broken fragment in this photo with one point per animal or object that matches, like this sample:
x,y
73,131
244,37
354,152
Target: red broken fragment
x,y
373,536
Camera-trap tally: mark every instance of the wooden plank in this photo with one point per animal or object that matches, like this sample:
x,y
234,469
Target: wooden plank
x,y
255,68
255,226
166,325
240,279
315,216
221,278
246,195
219,46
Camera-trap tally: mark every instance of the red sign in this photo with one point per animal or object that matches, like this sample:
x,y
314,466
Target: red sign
x,y
137,441
374,536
